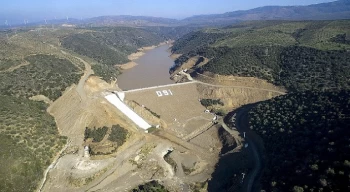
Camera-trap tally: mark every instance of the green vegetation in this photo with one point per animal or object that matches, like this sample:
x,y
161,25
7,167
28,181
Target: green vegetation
x,y
306,136
197,40
106,72
118,135
299,55
211,102
89,45
97,134
171,32
30,65
341,38
152,129
305,68
7,63
110,46
28,139
152,186
250,61
46,75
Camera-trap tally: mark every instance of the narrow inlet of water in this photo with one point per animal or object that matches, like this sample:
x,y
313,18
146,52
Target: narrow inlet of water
x,y
152,70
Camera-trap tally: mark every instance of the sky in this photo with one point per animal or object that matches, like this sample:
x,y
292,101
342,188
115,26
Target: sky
x,y
15,11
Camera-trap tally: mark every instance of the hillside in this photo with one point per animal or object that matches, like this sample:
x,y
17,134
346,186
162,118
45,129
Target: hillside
x,y
40,64
128,20
29,140
43,75
30,68
297,55
333,10
109,46
306,141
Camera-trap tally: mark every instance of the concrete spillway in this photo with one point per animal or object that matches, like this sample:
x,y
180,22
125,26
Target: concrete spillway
x,y
112,98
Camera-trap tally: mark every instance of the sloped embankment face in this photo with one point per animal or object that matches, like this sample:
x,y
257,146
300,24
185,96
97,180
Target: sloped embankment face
x,y
68,113
72,115
146,113
234,97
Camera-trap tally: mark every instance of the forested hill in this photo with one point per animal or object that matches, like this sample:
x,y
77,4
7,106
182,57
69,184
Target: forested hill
x,y
332,10
300,55
110,46
306,137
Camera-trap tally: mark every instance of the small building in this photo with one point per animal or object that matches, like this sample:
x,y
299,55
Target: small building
x,y
86,151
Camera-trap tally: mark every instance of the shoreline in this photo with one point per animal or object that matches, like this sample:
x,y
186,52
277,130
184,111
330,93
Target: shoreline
x,y
140,52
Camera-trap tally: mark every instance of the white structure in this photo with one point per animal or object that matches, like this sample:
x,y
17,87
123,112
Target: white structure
x,y
112,98
86,151
121,95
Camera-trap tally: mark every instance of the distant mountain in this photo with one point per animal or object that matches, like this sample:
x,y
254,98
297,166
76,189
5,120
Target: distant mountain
x,y
324,11
131,20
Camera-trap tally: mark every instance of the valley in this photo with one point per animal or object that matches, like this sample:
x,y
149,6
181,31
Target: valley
x,y
224,102
151,69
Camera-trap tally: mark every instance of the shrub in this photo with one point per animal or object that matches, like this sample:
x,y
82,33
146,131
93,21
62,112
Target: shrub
x,y
97,134
118,134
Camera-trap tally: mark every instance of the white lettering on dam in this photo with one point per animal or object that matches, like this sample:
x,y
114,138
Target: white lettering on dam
x,y
164,93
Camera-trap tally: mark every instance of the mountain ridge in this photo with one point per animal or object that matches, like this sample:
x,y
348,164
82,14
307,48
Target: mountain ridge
x,y
323,11
332,10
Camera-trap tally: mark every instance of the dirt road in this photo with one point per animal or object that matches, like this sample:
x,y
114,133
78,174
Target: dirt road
x,y
87,72
243,87
52,165
189,77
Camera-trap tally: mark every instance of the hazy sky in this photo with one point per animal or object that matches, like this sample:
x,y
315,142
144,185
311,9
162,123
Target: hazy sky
x,y
34,10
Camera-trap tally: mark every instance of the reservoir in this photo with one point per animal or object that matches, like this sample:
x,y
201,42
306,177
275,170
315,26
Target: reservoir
x,y
152,70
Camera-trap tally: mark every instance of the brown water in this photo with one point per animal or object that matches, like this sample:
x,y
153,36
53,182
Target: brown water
x,y
152,70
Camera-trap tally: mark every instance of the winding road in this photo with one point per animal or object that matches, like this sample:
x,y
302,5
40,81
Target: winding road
x,y
52,165
190,78
243,87
87,72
